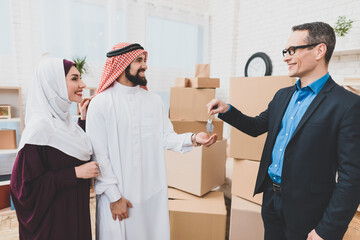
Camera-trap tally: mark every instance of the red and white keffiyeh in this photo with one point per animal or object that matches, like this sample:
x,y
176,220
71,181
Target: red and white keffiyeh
x,y
114,66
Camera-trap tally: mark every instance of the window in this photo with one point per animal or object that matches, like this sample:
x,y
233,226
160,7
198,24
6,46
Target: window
x,y
76,28
88,31
174,44
55,28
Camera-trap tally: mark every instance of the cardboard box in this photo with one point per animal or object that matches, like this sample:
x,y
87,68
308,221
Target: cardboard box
x,y
351,84
201,82
184,126
194,218
244,179
7,139
251,95
353,231
181,82
202,70
245,220
199,170
4,194
190,103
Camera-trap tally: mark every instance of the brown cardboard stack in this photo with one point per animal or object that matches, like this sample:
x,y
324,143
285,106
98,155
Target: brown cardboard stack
x,y
244,179
200,214
202,169
199,170
197,218
351,84
353,231
251,95
189,96
246,222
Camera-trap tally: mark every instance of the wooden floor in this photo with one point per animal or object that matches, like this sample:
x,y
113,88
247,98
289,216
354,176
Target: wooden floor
x,y
9,223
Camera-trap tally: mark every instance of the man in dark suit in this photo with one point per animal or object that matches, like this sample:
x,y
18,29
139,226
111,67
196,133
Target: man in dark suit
x,y
313,135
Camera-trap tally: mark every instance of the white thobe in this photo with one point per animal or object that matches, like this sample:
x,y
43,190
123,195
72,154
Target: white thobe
x,y
129,131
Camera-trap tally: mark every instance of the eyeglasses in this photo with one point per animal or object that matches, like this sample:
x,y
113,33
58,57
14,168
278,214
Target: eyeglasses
x,y
291,50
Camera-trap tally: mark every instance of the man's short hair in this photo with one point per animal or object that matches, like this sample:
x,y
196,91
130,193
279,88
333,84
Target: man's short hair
x,y
319,32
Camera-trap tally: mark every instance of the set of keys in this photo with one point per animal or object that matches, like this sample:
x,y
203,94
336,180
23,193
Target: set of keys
x,y
209,125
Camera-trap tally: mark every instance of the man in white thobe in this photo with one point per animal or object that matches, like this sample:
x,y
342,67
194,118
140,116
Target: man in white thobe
x,y
129,131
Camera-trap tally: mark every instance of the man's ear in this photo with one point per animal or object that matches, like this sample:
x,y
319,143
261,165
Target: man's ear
x,y
320,51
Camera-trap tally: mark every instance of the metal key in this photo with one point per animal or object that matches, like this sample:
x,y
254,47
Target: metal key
x,y
209,125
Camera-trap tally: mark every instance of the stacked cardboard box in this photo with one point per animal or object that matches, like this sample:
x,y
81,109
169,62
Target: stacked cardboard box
x,y
352,84
202,169
246,222
353,232
200,214
198,171
251,95
7,139
189,96
197,218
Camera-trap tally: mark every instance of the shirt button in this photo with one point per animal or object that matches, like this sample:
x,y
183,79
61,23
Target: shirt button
x,y
286,134
298,102
275,165
292,118
280,149
273,177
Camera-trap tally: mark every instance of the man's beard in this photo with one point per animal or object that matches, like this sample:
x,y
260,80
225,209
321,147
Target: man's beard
x,y
135,79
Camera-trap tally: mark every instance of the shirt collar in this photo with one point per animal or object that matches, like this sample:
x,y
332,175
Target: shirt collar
x,y
315,86
126,89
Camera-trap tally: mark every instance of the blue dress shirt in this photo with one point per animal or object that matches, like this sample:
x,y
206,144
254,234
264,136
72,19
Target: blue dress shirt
x,y
299,103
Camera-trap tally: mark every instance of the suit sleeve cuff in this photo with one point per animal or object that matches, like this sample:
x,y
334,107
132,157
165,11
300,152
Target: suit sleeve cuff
x,y
187,141
222,114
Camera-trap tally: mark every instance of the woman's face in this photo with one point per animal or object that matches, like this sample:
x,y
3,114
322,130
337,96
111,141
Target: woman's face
x,y
74,85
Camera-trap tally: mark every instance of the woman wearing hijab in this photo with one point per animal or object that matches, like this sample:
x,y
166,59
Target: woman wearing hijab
x,y
50,178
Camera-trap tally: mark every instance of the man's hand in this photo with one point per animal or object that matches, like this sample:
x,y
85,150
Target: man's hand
x,y
217,106
83,107
119,209
204,139
313,236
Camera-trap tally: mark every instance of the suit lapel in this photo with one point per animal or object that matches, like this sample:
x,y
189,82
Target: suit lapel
x,y
314,105
280,113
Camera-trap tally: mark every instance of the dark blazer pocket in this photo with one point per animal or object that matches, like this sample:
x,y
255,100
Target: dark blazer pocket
x,y
321,188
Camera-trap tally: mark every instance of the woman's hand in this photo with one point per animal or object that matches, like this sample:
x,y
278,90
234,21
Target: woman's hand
x,y
83,108
87,170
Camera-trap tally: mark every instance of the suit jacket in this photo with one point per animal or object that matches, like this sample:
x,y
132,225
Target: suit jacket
x,y
325,142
